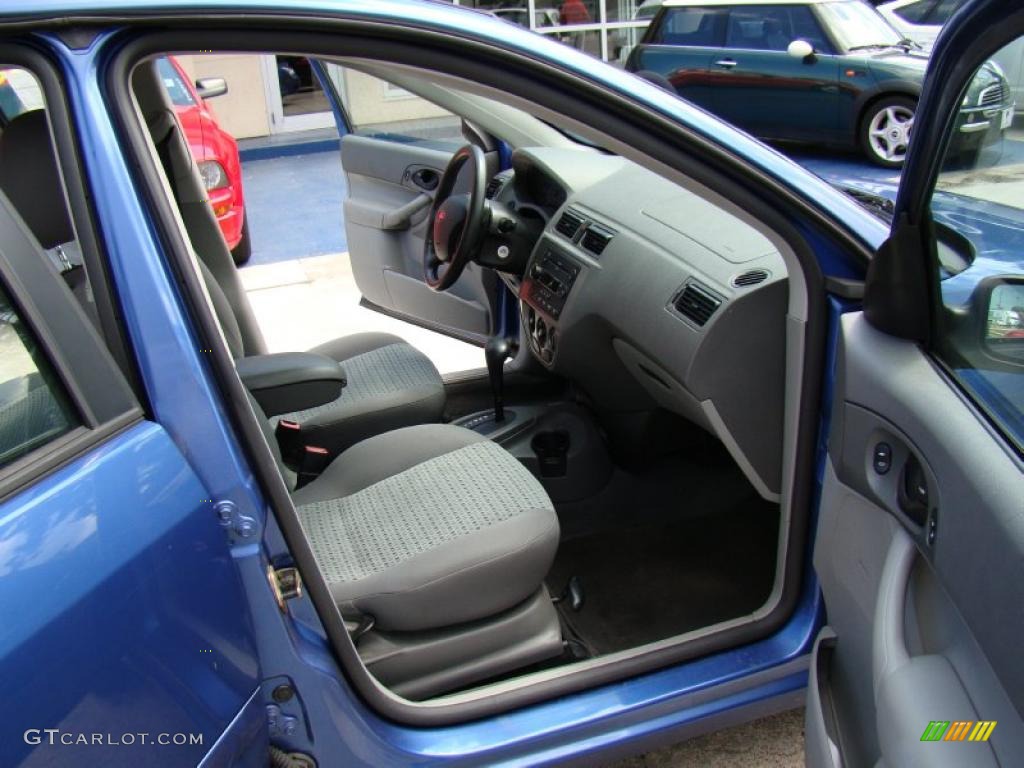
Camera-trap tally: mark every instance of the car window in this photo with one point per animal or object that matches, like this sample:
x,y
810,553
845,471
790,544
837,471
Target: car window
x,y
942,10
858,26
33,406
691,26
915,13
978,208
381,110
773,28
175,85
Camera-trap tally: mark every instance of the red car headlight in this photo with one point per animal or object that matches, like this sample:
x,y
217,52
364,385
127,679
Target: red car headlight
x,y
214,175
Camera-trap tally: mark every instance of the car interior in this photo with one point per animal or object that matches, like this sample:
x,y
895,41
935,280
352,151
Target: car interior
x,y
613,486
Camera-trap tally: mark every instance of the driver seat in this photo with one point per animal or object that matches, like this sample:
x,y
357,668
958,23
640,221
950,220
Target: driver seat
x,y
390,383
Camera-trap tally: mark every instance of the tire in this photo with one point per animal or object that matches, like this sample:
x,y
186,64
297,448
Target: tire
x,y
241,252
885,130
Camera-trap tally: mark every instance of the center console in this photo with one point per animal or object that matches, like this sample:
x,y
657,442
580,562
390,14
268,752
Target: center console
x,y
543,293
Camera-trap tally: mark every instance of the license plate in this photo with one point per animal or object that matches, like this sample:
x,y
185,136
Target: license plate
x,y
1007,118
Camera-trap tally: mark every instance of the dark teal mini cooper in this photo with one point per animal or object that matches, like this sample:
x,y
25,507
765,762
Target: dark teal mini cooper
x,y
824,71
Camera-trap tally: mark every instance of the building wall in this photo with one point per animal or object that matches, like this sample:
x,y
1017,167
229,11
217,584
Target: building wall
x,y
242,111
372,101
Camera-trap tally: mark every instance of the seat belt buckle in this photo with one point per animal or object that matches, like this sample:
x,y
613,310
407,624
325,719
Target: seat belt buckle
x,y
314,461
289,440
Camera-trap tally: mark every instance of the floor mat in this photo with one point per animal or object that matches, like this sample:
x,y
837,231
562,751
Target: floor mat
x,y
665,576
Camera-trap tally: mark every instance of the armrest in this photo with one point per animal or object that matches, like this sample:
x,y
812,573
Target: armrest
x,y
291,381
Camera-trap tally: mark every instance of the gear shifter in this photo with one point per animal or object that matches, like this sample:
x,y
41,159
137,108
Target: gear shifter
x,y
497,351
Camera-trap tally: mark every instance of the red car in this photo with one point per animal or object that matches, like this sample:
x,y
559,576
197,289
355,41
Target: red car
x,y
215,151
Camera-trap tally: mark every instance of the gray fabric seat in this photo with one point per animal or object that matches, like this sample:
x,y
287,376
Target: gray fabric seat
x,y
391,384
429,526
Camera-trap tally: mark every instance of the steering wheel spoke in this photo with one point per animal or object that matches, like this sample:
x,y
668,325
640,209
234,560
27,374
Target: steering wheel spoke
x,y
457,222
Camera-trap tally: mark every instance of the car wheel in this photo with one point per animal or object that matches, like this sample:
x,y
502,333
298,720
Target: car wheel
x,y
241,252
885,130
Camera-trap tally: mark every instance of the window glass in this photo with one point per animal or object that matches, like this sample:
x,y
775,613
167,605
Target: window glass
x,y
692,26
858,26
978,207
915,13
175,85
33,407
385,111
773,28
942,11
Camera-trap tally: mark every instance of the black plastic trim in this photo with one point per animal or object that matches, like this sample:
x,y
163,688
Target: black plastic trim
x,y
516,73
99,395
24,54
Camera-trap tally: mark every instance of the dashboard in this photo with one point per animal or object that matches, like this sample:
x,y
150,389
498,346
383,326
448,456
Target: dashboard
x,y
645,294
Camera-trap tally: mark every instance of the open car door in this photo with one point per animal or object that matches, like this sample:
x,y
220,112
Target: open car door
x,y
920,542
395,148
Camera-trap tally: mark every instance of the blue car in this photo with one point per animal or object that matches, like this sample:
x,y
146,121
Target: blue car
x,y
738,444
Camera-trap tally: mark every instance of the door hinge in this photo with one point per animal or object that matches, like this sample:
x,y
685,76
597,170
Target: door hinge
x,y
239,527
286,584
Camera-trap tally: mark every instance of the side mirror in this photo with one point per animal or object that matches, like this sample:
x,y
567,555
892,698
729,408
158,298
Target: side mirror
x,y
801,49
1003,331
208,87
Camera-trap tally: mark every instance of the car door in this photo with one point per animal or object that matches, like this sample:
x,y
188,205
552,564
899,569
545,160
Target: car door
x,y
761,88
680,45
394,149
920,540
126,636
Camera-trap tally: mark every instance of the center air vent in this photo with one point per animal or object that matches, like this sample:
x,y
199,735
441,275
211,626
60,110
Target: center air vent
x,y
696,303
494,186
751,277
596,239
570,223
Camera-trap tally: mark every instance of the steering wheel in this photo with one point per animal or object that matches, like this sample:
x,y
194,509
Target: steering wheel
x,y
456,222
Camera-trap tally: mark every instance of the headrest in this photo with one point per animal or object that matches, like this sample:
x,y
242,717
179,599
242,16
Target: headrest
x,y
31,180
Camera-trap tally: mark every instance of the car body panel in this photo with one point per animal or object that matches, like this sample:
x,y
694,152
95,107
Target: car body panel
x,y
95,552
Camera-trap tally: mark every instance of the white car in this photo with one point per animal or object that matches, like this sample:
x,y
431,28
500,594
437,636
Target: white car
x,y
919,20
922,20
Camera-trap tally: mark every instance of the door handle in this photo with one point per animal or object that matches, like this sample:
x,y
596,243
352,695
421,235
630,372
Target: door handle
x,y
727,63
425,178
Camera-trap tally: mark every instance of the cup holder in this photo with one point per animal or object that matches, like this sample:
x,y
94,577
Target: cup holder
x,y
552,450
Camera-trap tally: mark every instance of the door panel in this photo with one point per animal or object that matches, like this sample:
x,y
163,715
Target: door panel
x,y
128,603
390,189
914,592
774,95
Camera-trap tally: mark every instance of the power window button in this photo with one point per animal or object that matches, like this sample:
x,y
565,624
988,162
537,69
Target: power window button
x,y
882,459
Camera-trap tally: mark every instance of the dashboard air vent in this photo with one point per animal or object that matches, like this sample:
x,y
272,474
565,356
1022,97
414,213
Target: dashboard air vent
x,y
494,186
596,239
696,303
751,277
570,223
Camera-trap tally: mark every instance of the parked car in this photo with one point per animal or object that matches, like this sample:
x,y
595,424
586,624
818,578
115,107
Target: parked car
x,y
759,448
214,149
921,21
830,72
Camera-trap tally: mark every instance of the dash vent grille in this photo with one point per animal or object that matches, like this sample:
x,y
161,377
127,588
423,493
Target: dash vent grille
x,y
696,303
750,277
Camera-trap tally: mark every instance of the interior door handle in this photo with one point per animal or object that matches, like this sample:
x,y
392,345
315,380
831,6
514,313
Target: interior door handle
x,y
727,63
427,179
400,217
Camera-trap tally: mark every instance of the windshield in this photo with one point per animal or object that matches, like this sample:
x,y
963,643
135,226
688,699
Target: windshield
x,y
858,26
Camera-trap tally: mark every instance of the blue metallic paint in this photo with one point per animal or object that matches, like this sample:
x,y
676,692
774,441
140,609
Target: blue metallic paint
x,y
110,625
